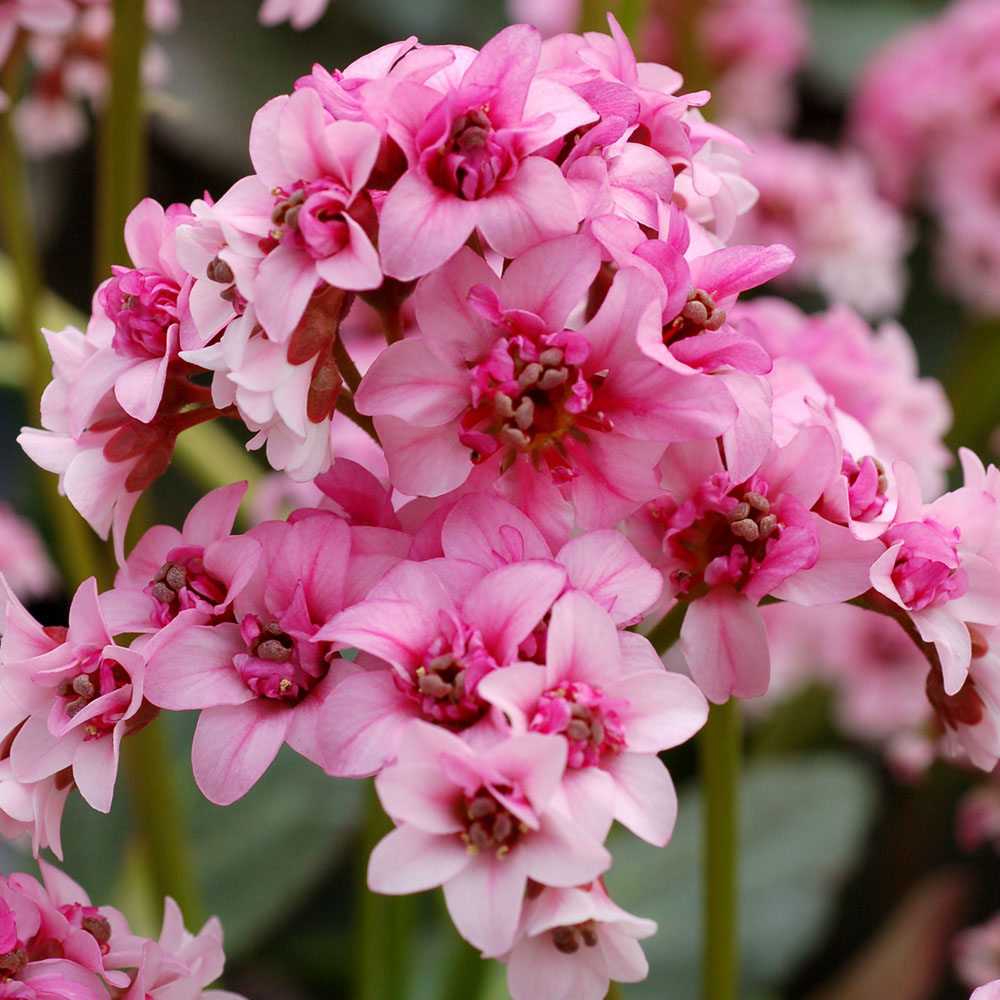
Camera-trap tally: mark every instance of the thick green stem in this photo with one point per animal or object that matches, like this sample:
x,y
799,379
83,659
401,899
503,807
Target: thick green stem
x,y
384,926
121,153
161,822
719,749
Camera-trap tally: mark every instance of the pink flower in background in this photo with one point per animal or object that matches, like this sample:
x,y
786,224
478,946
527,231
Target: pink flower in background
x,y
480,825
991,991
300,14
977,953
24,562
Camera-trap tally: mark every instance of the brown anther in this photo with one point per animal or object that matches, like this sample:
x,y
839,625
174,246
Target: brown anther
x,y
481,806
980,647
98,928
513,436
434,685
597,732
757,501
504,405
175,577
76,705
565,939
292,217
767,524
717,318
883,483
229,294
272,628
696,312
578,729
524,415
589,934
531,374
13,961
552,356
745,529
162,593
218,270
84,686
503,826
739,512
553,377
479,836
442,662
274,650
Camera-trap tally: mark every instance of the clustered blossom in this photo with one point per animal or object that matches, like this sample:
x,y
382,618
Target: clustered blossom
x,y
925,113
55,943
482,309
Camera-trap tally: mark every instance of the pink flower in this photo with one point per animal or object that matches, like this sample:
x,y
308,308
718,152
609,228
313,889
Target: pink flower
x,y
470,163
572,943
80,694
23,560
606,693
261,677
497,380
480,825
442,628
991,991
300,14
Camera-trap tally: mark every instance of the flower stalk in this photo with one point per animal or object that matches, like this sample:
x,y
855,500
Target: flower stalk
x,y
719,750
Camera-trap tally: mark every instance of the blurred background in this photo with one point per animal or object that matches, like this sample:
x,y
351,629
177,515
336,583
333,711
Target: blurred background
x,y
855,881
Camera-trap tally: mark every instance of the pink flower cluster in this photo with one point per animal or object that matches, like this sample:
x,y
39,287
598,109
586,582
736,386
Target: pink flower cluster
x,y
575,429
925,113
54,944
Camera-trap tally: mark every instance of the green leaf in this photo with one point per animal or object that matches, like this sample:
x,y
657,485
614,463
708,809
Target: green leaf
x,y
804,821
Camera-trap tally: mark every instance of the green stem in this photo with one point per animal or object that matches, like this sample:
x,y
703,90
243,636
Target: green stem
x,y
467,972
668,629
160,818
73,546
383,929
121,152
719,749
615,992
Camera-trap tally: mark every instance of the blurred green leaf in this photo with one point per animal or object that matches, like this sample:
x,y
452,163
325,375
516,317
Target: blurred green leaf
x,y
804,822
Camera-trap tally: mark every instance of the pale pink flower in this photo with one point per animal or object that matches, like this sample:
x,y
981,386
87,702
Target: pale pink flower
x,y
480,825
300,14
471,163
977,953
991,991
79,693
24,562
572,943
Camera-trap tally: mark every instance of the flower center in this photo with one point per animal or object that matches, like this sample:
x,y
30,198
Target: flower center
x,y
182,582
866,486
142,304
311,217
96,679
528,396
446,681
926,572
568,938
587,717
275,665
720,535
472,161
489,826
700,313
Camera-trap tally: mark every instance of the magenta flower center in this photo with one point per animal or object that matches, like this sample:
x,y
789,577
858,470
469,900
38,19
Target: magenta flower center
x,y
276,665
489,826
721,536
311,217
866,486
96,679
181,583
528,395
445,683
700,313
926,572
568,938
142,304
587,717
473,160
